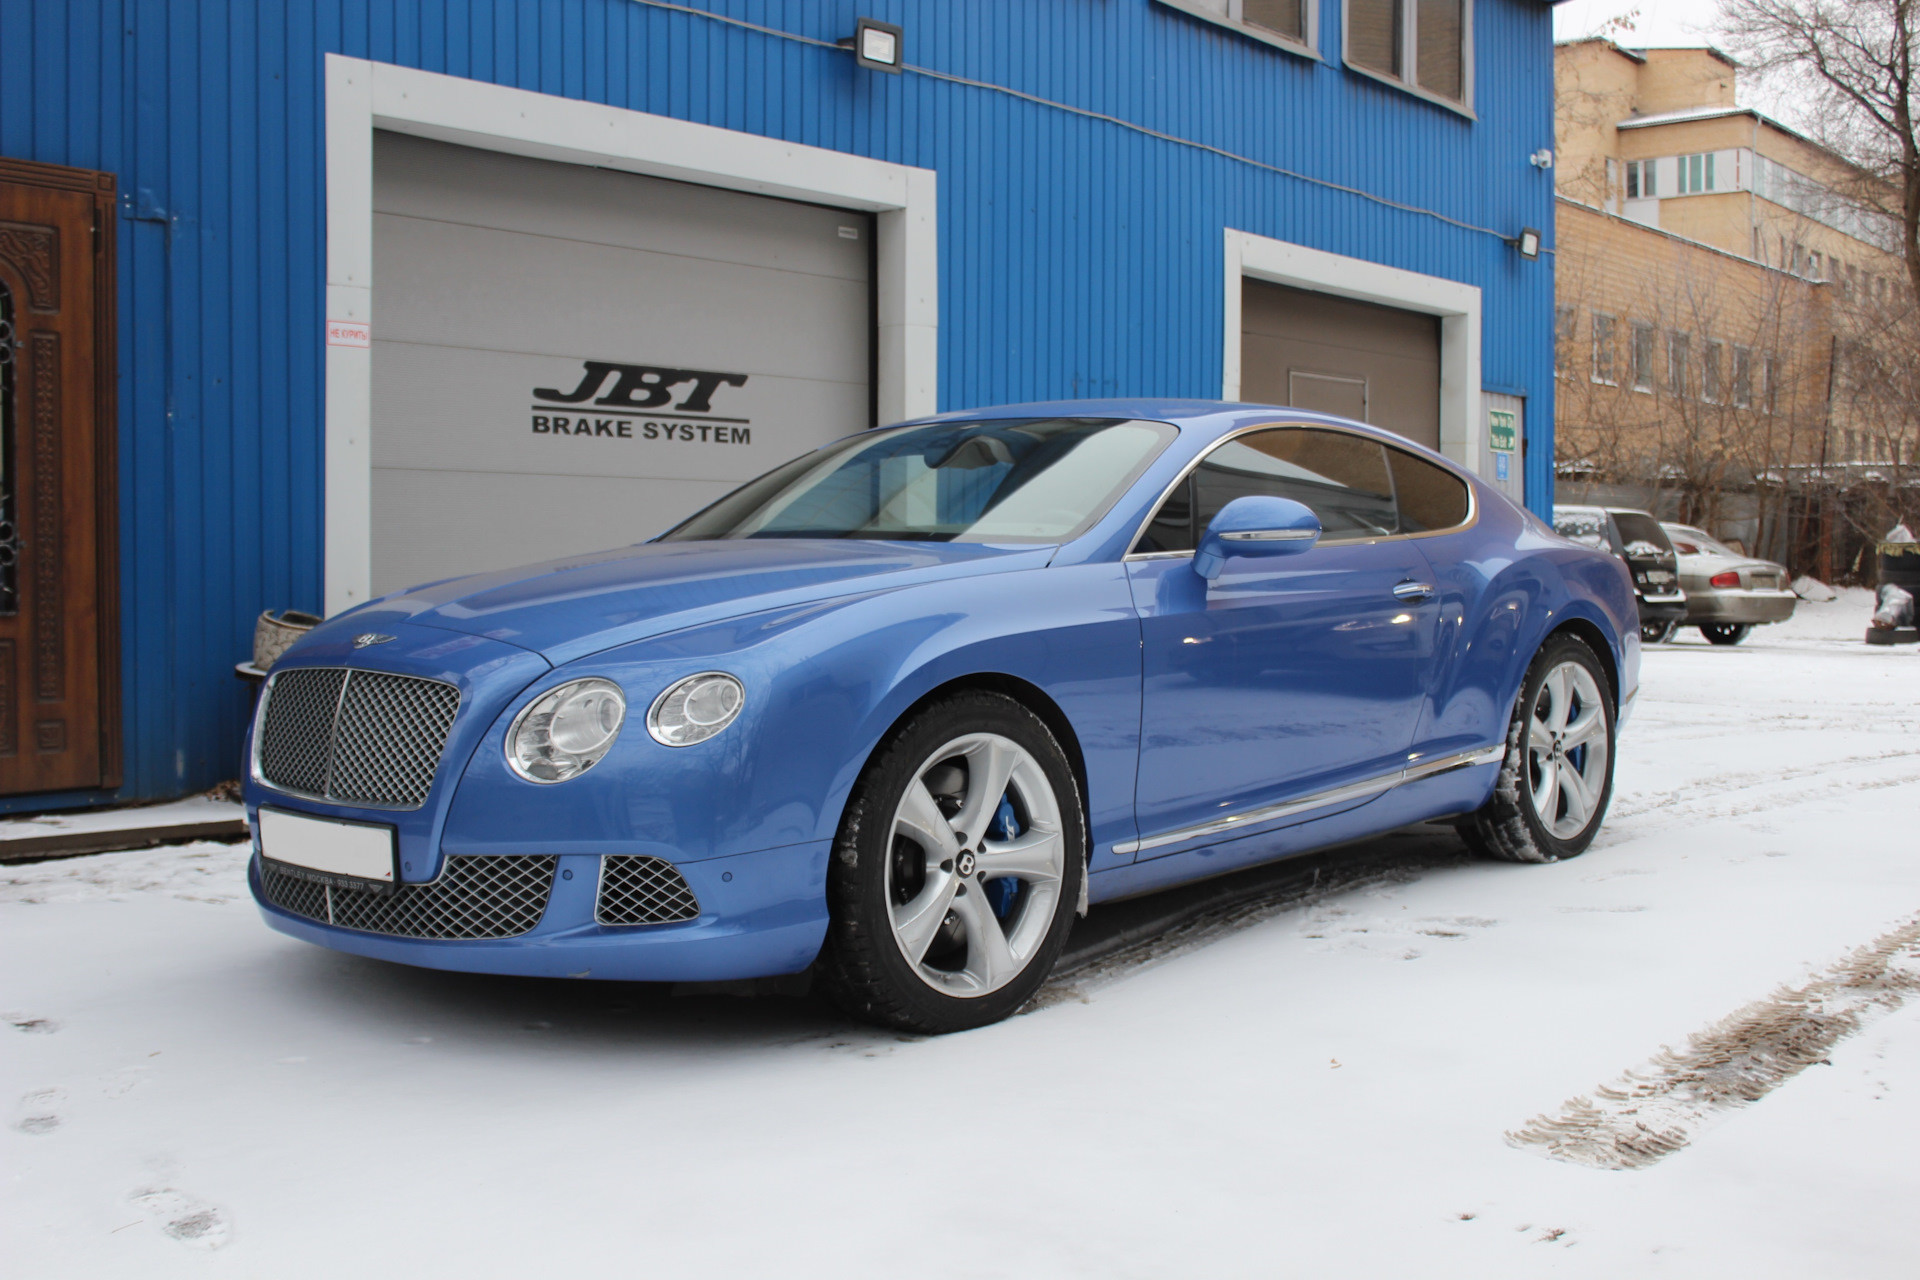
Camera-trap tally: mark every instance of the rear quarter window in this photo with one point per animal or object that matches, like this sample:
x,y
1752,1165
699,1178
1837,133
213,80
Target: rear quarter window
x,y
1430,497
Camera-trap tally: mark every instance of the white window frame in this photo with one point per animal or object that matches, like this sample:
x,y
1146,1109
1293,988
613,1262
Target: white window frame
x,y
1409,43
1232,21
1611,328
1462,426
363,96
1644,378
1713,371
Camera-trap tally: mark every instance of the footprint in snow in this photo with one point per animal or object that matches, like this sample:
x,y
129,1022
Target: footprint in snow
x,y
185,1218
38,1113
31,1025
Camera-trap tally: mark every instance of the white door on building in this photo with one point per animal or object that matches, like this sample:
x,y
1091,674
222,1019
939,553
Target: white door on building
x,y
567,359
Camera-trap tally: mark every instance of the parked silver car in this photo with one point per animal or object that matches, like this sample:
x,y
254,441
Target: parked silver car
x,y
1728,594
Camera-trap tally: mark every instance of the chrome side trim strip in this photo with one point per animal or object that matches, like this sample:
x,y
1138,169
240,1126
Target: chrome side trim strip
x,y
1412,772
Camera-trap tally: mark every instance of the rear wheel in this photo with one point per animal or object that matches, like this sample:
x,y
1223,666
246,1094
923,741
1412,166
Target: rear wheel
x,y
1724,632
956,870
1657,632
1557,777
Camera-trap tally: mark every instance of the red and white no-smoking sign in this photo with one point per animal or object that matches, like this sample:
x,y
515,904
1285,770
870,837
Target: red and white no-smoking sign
x,y
349,333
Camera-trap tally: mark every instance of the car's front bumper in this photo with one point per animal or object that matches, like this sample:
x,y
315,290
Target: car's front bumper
x,y
761,914
1734,605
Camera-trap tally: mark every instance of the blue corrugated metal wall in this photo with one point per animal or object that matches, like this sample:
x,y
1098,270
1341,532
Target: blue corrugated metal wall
x,y
1077,257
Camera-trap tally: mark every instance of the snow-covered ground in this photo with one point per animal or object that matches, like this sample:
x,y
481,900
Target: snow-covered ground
x,y
1326,1092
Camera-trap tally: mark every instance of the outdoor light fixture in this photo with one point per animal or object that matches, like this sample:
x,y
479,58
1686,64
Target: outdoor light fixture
x,y
1527,242
875,45
1541,159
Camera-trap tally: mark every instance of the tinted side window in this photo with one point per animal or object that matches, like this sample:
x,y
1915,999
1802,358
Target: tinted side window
x,y
1341,478
1430,497
1172,526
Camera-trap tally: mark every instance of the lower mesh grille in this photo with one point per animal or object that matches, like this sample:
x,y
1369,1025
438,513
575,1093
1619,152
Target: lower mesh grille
x,y
492,897
642,890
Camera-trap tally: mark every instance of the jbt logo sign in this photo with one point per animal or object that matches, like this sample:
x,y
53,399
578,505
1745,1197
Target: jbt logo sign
x,y
643,386
642,402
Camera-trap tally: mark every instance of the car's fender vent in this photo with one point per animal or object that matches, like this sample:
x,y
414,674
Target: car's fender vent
x,y
640,890
501,896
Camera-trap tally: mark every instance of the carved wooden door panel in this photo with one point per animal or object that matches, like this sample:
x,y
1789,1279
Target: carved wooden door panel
x,y
58,667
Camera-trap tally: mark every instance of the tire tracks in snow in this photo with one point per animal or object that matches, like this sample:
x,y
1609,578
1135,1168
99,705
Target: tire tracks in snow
x,y
1654,1110
1691,802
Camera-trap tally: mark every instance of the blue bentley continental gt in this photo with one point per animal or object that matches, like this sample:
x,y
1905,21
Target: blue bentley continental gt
x,y
899,709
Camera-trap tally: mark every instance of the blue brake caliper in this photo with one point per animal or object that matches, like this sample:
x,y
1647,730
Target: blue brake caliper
x,y
1005,826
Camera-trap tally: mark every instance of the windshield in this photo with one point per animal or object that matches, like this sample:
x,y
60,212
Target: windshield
x,y
1692,542
1008,480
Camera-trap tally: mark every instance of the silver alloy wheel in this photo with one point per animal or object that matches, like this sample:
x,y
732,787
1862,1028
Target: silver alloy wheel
x,y
942,861
1567,750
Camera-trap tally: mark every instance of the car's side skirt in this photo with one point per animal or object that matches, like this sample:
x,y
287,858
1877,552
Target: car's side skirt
x,y
1251,818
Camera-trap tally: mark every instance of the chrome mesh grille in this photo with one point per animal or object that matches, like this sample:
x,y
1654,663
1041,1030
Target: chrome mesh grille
x,y
358,737
642,890
490,897
296,738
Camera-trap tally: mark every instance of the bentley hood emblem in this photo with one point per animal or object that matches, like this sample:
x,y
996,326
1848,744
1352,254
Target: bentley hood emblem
x,y
366,638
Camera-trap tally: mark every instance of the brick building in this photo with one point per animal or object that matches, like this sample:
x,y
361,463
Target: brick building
x,y
1712,264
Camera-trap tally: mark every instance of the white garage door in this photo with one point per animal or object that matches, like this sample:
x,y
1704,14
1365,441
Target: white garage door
x,y
567,359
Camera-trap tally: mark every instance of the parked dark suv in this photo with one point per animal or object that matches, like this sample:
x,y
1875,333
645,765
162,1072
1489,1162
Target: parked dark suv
x,y
1637,538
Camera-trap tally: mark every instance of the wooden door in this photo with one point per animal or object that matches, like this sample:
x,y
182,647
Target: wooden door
x,y
59,667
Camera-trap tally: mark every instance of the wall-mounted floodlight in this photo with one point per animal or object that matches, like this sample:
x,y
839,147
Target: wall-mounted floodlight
x,y
875,45
1527,242
1541,159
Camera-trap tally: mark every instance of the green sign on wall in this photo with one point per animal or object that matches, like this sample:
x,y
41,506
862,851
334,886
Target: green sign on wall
x,y
1500,429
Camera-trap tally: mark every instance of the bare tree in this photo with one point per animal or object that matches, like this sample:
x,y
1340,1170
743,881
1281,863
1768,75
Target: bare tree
x,y
1852,63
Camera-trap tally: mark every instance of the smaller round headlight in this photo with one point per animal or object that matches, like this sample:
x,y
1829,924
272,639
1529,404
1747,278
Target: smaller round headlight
x,y
694,709
565,731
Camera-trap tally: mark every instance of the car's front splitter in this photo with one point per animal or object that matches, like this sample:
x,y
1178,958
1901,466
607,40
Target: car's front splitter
x,y
762,914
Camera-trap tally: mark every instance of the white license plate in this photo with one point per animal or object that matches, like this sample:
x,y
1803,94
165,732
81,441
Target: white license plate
x,y
353,854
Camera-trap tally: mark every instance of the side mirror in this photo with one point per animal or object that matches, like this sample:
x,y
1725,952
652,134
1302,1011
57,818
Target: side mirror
x,y
1255,526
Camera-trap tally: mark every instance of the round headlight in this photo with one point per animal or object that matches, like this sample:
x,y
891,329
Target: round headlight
x,y
564,732
695,709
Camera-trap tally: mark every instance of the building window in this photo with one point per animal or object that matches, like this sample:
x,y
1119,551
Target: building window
x,y
1696,173
1742,377
1603,348
1565,330
1425,45
1286,23
1679,355
1643,357
1710,373
1640,180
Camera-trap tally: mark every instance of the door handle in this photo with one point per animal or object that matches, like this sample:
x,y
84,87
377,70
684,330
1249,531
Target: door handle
x,y
1413,592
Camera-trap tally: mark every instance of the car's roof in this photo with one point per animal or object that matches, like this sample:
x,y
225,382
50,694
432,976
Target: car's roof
x,y
1206,417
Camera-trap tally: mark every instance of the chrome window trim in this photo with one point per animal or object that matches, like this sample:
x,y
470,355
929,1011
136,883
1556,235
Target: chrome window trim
x,y
1414,770
1473,497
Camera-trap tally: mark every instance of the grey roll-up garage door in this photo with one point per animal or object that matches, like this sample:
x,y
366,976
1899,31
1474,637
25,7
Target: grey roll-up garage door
x,y
1335,355
567,359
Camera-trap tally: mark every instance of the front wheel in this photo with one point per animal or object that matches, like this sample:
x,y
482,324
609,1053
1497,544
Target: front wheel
x,y
956,871
1557,777
1724,632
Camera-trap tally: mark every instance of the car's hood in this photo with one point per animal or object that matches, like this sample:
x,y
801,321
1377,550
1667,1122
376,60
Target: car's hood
x,y
567,609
